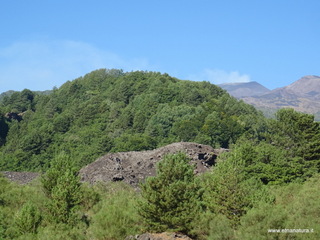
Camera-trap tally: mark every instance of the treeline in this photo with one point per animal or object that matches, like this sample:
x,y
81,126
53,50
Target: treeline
x,y
109,110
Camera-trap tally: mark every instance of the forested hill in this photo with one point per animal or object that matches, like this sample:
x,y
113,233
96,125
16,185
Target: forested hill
x,y
265,183
111,110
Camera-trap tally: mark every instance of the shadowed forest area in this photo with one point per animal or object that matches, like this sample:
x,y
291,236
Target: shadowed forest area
x,y
268,181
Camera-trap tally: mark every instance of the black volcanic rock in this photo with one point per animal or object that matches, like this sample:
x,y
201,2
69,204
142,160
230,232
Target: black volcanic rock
x,y
133,167
159,236
246,89
20,177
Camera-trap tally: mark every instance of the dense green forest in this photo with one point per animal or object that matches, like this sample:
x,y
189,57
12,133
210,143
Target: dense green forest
x,y
267,182
109,110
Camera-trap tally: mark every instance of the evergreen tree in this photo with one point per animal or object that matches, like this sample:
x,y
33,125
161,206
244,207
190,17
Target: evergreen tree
x,y
170,199
61,184
225,192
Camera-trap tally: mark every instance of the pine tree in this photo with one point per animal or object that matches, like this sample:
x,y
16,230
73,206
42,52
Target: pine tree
x,y
170,199
62,186
225,192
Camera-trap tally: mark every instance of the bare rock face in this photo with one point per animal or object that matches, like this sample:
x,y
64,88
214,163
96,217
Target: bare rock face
x,y
245,89
302,95
134,167
21,177
159,236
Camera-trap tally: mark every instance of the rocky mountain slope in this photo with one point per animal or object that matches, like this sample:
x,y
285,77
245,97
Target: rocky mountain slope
x,y
302,95
133,167
247,89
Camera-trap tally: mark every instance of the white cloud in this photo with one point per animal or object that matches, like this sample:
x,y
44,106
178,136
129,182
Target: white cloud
x,y
217,76
43,64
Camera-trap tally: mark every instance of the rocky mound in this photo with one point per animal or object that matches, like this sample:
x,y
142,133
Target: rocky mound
x,y
134,167
159,236
20,177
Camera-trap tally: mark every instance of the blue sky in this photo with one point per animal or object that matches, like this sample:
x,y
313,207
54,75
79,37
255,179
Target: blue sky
x,y
46,43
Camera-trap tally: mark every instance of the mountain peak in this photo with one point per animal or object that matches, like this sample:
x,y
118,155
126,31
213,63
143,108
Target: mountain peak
x,y
302,95
244,89
305,86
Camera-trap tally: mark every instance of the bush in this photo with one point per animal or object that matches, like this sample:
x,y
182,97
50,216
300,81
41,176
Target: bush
x,y
28,219
115,217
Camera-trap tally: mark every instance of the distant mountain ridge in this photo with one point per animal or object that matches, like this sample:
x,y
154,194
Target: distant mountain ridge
x,y
245,89
308,86
302,95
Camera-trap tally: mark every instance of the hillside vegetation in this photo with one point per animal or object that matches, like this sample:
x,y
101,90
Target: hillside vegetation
x,y
109,110
265,187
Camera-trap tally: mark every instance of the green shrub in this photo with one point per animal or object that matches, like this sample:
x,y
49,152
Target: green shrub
x,y
28,219
115,217
61,231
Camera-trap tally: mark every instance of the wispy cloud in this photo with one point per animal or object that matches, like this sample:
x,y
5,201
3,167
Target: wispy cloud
x,y
217,76
43,64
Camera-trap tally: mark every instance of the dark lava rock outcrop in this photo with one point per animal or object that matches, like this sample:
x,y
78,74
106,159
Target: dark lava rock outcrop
x,y
134,167
20,177
159,236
